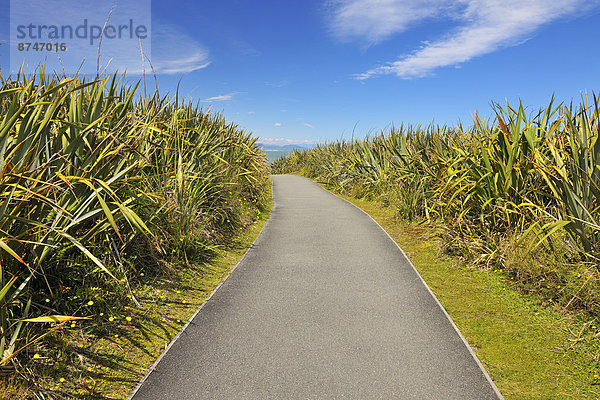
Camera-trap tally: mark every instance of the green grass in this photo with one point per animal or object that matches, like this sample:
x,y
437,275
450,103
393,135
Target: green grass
x,y
531,351
106,359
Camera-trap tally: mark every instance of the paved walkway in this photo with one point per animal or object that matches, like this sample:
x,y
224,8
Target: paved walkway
x,y
323,306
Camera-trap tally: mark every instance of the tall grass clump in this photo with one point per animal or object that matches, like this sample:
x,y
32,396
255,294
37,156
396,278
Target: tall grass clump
x,y
519,193
98,184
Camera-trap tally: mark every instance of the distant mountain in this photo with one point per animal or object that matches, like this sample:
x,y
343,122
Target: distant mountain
x,y
284,147
275,151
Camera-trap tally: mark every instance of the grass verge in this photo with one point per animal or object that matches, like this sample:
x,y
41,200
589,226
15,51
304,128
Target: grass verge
x,y
107,359
530,349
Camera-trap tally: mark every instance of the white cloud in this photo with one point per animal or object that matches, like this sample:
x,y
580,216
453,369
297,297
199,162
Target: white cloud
x,y
251,112
484,26
193,62
375,20
277,124
117,52
308,125
170,49
175,52
223,97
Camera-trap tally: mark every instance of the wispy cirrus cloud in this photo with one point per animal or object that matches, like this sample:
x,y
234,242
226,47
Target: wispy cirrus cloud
x,y
176,52
375,20
484,26
308,125
223,97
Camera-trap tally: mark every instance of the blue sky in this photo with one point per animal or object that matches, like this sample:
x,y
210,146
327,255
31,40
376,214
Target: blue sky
x,y
295,71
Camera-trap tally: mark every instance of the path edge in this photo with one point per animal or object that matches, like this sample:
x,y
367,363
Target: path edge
x,y
189,321
469,348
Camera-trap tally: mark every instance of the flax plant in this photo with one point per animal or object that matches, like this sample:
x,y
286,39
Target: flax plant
x,y
511,178
93,176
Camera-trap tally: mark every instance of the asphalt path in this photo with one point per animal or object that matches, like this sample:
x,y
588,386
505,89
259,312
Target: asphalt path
x,y
323,306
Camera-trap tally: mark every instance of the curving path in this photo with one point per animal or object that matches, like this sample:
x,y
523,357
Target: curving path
x,y
323,306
